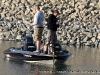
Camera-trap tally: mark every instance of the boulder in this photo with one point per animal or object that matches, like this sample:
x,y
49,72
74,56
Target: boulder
x,y
19,37
98,36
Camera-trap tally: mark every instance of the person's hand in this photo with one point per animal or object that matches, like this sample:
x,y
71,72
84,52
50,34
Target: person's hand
x,y
31,24
57,23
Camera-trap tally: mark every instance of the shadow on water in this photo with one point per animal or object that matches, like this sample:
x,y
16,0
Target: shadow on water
x,y
19,67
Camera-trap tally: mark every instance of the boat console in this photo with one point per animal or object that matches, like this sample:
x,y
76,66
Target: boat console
x,y
28,44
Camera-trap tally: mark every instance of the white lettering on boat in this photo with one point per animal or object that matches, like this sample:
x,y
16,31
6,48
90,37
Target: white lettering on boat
x,y
27,55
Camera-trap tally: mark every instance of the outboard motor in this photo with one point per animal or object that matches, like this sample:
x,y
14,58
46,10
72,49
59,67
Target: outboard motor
x,y
28,44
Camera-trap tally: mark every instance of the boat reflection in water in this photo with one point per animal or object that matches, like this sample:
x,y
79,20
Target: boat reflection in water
x,y
36,68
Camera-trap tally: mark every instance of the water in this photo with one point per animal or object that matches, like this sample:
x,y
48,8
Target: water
x,y
84,60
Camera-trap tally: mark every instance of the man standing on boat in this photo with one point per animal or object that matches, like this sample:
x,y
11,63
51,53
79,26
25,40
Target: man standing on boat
x,y
38,27
52,25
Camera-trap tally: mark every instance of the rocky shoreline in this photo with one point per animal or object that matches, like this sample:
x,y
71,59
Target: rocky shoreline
x,y
79,20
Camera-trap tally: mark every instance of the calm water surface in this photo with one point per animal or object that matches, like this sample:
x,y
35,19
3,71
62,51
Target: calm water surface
x,y
84,61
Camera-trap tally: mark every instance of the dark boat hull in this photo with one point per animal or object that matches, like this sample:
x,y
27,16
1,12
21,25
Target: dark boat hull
x,y
33,56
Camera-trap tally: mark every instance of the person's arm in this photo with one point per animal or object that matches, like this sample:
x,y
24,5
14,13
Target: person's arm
x,y
31,25
35,19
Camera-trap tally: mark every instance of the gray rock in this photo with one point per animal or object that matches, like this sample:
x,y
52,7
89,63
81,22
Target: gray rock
x,y
72,42
85,39
1,35
9,25
90,35
6,28
19,37
65,42
87,43
93,39
8,36
78,41
68,35
98,36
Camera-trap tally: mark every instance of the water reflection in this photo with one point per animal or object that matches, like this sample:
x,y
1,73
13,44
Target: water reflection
x,y
22,68
83,59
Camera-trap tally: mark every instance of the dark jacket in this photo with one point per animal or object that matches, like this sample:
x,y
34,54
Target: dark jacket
x,y
51,22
